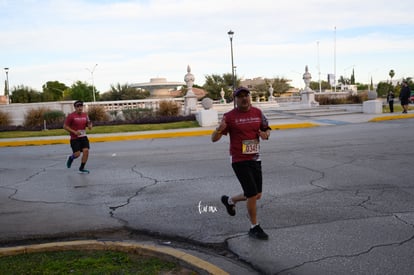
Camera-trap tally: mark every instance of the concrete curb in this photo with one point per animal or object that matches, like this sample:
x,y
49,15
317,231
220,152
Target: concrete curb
x,y
165,253
391,117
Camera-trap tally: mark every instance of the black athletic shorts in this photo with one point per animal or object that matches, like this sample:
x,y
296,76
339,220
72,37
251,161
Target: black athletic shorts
x,y
404,101
79,143
249,174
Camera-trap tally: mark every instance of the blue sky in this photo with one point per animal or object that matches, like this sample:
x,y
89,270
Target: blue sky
x,y
133,41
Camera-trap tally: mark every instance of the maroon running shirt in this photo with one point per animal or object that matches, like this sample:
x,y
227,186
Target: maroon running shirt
x,y
77,122
244,128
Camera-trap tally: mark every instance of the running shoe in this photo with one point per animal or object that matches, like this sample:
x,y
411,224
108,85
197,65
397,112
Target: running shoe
x,y
69,161
83,171
231,208
258,233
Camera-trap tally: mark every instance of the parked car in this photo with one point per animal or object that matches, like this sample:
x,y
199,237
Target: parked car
x,y
411,99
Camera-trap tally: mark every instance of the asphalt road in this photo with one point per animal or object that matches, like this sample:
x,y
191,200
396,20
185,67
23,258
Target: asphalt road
x,y
337,199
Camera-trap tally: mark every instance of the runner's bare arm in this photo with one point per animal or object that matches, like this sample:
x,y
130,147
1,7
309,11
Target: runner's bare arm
x,y
70,130
217,134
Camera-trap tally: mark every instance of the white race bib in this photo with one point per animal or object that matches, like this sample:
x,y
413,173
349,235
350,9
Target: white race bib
x,y
250,146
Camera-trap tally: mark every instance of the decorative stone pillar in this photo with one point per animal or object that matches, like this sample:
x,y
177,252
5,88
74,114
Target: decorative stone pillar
x,y
271,97
207,116
222,100
190,99
308,95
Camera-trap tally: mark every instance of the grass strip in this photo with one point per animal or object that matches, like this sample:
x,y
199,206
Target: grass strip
x,y
104,129
86,262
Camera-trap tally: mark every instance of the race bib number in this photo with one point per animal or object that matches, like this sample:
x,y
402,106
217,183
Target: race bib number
x,y
250,146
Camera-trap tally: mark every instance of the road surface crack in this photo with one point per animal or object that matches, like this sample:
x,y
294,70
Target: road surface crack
x,y
369,250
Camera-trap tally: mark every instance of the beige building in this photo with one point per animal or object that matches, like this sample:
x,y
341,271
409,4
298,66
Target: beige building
x,y
250,83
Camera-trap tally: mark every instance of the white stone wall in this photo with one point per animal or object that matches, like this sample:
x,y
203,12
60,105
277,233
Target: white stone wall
x,y
18,111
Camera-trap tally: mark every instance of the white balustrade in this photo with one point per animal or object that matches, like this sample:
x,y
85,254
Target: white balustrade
x,y
18,111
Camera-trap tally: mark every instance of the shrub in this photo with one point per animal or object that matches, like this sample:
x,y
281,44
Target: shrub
x,y
54,117
5,119
33,119
97,113
354,99
363,96
137,114
168,108
149,120
351,99
114,115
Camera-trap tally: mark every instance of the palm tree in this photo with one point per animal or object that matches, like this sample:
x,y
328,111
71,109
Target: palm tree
x,y
391,73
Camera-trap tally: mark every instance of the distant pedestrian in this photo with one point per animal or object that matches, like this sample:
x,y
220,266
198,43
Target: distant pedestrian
x,y
75,124
390,100
404,96
246,125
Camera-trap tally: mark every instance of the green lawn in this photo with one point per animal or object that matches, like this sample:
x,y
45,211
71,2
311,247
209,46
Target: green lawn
x,y
104,129
87,263
397,108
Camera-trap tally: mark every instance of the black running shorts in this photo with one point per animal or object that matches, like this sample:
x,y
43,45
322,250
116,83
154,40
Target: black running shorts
x,y
79,143
249,174
404,101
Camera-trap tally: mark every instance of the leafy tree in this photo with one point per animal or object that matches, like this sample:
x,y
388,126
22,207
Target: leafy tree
x,y
53,91
344,80
361,87
23,94
383,88
260,90
280,85
228,79
214,83
80,91
315,85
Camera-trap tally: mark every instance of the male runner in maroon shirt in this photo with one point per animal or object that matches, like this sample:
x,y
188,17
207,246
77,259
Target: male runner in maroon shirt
x,y
75,124
246,125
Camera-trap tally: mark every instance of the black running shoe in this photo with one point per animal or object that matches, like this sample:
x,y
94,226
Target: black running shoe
x,y
231,208
69,161
258,233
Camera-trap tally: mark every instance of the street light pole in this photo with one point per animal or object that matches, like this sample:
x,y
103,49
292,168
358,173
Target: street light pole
x,y
319,70
231,33
7,91
335,59
93,83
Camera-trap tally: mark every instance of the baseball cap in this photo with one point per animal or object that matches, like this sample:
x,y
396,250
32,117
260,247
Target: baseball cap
x,y
78,103
241,89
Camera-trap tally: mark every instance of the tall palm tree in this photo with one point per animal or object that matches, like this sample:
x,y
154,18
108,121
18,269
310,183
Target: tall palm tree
x,y
391,74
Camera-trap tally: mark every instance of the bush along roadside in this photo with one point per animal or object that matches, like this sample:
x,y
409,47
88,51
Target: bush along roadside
x,y
145,120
